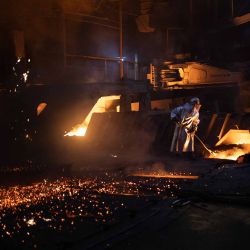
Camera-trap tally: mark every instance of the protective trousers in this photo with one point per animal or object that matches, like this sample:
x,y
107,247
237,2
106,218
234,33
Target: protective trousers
x,y
182,141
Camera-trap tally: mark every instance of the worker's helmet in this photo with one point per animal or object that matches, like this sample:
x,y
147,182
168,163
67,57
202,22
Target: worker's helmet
x,y
195,100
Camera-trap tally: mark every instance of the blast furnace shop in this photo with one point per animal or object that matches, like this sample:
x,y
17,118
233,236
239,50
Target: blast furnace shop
x,y
125,124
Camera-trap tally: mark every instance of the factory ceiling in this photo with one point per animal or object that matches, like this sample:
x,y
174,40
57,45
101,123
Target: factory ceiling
x,y
160,12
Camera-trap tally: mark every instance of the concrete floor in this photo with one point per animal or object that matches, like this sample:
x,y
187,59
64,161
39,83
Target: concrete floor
x,y
209,213
198,226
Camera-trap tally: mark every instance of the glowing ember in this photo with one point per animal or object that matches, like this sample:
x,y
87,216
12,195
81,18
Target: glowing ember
x,y
40,108
40,215
25,76
31,222
99,107
166,175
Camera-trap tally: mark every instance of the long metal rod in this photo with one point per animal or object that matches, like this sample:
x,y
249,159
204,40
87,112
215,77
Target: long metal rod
x,y
121,41
136,66
91,22
100,58
203,144
90,16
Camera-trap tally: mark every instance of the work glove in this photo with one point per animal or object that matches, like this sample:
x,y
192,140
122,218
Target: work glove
x,y
193,129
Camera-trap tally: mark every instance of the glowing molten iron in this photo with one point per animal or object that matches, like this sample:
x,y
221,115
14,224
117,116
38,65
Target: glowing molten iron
x,y
166,175
240,138
99,107
231,154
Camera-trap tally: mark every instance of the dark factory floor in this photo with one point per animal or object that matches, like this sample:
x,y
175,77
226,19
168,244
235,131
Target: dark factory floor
x,y
198,204
198,226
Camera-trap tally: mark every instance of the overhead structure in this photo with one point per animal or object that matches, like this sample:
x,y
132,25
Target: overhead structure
x,y
190,74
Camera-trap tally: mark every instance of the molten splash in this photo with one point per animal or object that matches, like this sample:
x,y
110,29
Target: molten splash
x,y
231,154
100,107
79,130
157,170
166,175
240,138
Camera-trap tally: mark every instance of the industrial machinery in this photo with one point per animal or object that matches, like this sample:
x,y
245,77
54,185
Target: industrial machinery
x,y
190,74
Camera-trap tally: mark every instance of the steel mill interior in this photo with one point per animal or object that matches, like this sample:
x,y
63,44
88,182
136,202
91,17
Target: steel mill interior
x,y
125,124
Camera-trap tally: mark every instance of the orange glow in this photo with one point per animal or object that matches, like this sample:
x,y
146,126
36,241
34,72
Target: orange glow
x,y
99,107
231,154
233,137
40,108
52,204
135,106
166,175
79,130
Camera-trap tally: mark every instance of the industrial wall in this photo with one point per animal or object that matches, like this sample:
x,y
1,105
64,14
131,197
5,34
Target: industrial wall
x,y
66,42
78,41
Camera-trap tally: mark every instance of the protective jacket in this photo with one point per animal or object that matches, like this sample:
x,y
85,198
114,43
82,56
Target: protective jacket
x,y
187,120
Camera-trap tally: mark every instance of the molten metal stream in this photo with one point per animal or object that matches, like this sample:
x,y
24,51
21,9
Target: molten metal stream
x,y
168,176
99,107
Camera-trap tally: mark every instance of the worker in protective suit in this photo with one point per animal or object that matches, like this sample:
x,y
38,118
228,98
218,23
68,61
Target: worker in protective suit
x,y
186,118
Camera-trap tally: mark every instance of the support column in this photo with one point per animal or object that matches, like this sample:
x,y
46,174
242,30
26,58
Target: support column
x,y
125,103
145,102
121,40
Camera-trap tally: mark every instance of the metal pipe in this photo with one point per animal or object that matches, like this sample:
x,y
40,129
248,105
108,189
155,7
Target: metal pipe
x,y
102,58
121,41
232,8
203,144
105,70
89,16
91,22
167,37
136,66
